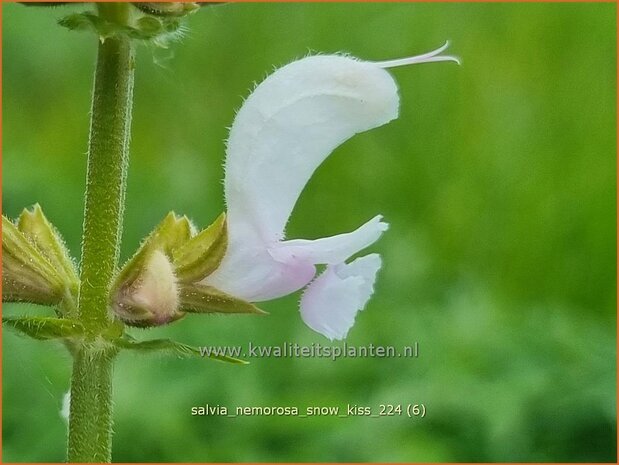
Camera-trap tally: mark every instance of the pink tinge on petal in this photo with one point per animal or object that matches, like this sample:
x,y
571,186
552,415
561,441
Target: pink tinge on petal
x,y
253,275
331,302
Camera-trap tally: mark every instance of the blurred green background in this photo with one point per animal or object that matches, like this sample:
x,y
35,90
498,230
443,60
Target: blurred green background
x,y
498,180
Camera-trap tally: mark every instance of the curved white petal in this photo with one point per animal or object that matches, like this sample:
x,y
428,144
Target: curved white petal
x,y
331,302
330,250
286,128
249,272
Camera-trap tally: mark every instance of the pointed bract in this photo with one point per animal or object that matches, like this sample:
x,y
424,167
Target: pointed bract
x,y
44,328
27,274
37,228
203,253
173,347
198,298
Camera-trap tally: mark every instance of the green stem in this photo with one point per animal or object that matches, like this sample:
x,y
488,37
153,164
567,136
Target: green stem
x,y
90,430
106,177
90,421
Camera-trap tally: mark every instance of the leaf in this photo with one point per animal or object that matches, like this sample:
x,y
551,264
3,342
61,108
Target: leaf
x,y
43,328
198,298
200,256
167,345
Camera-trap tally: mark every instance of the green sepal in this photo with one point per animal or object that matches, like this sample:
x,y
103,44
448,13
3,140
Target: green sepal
x,y
37,228
43,328
201,255
172,233
198,298
167,345
89,21
159,30
27,275
167,236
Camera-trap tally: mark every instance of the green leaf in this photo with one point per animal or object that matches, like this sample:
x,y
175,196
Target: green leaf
x,y
198,298
200,256
167,345
43,328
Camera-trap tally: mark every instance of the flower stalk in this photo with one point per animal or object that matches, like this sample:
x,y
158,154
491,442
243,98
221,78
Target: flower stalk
x,y
90,420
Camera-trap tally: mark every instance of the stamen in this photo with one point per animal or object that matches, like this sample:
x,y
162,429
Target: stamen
x,y
429,57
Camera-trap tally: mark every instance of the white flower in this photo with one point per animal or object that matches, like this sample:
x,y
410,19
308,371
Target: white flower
x,y
285,129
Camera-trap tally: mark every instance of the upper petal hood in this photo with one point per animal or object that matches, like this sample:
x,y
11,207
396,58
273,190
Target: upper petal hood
x,y
287,127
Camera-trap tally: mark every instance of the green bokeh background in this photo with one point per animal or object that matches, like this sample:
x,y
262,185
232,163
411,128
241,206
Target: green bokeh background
x,y
498,180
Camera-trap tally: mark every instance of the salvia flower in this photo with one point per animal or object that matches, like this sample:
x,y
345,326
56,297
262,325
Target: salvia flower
x,y
285,129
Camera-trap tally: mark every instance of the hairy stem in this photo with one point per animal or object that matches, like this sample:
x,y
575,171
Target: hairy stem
x,y
90,421
106,177
90,431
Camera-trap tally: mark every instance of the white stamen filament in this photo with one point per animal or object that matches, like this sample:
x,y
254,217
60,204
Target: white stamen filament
x,y
429,57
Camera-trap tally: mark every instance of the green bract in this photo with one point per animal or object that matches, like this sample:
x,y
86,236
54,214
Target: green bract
x,y
159,23
43,328
36,266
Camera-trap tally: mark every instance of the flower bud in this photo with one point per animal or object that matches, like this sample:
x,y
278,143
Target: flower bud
x,y
39,231
145,292
151,299
27,273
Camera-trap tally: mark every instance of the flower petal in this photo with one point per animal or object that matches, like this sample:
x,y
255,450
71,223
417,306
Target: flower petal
x,y
286,128
257,274
250,273
331,250
331,302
